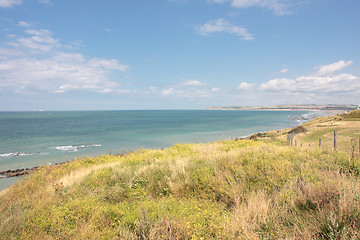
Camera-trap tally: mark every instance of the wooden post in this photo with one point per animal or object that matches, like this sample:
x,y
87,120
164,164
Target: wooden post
x,y
295,143
288,139
353,145
319,142
335,143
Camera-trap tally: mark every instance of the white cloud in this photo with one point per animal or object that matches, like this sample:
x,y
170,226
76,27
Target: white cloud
x,y
5,53
303,89
279,7
153,90
39,40
186,93
24,24
112,64
284,70
186,89
9,3
277,84
57,74
4,66
193,83
322,82
38,62
222,25
334,67
74,45
245,86
168,91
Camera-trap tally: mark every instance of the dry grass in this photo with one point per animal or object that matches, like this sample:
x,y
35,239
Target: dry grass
x,y
76,176
347,127
248,215
224,190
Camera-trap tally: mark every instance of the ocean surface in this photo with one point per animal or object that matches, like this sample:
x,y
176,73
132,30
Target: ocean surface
x,y
29,139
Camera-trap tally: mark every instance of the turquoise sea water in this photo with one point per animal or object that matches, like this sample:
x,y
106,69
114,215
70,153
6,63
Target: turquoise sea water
x,y
29,139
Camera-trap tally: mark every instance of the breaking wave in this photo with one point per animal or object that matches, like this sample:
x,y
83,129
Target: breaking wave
x,y
305,117
17,154
76,148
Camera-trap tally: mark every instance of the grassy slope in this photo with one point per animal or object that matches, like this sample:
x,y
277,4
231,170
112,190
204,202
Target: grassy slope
x,y
247,189
346,126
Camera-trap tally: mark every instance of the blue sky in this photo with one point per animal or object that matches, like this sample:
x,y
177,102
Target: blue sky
x,y
177,54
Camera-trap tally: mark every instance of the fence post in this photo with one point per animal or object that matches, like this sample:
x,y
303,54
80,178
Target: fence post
x,y
295,143
335,143
288,139
319,142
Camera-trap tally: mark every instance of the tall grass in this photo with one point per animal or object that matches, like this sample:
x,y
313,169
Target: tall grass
x,y
222,190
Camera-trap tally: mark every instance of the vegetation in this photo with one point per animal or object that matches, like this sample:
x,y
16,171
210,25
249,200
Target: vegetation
x,y
245,189
354,115
347,127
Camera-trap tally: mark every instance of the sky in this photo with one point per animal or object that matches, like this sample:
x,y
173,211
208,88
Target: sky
x,y
177,54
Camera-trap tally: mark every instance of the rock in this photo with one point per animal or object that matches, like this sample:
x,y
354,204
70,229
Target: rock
x,y
298,129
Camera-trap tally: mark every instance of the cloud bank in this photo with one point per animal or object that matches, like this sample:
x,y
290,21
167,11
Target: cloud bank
x,y
323,82
37,62
328,84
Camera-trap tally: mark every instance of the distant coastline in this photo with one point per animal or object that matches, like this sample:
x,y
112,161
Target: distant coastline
x,y
331,108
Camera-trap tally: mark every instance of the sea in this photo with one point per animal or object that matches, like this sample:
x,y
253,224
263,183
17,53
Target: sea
x,y
29,139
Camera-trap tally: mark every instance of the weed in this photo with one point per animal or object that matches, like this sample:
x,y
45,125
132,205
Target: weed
x,y
222,190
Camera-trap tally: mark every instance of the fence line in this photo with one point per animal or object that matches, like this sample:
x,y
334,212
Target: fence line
x,y
291,141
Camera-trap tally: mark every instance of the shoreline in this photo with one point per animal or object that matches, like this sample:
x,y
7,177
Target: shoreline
x,y
265,177
25,171
17,172
289,107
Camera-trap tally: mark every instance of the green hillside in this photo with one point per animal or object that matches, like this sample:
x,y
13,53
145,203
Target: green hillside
x,y
245,189
353,115
224,190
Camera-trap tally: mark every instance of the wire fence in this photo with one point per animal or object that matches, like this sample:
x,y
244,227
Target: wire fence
x,y
351,149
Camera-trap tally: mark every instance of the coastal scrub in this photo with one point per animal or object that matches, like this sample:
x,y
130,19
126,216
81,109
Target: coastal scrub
x,y
223,190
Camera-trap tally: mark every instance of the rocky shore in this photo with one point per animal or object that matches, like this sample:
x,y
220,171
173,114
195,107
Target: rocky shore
x,y
16,172
21,171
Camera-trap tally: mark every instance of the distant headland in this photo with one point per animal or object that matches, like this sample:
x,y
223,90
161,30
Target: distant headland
x,y
290,107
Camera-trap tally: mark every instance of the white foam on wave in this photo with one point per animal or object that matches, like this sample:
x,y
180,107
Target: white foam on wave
x,y
71,148
301,117
305,117
17,154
